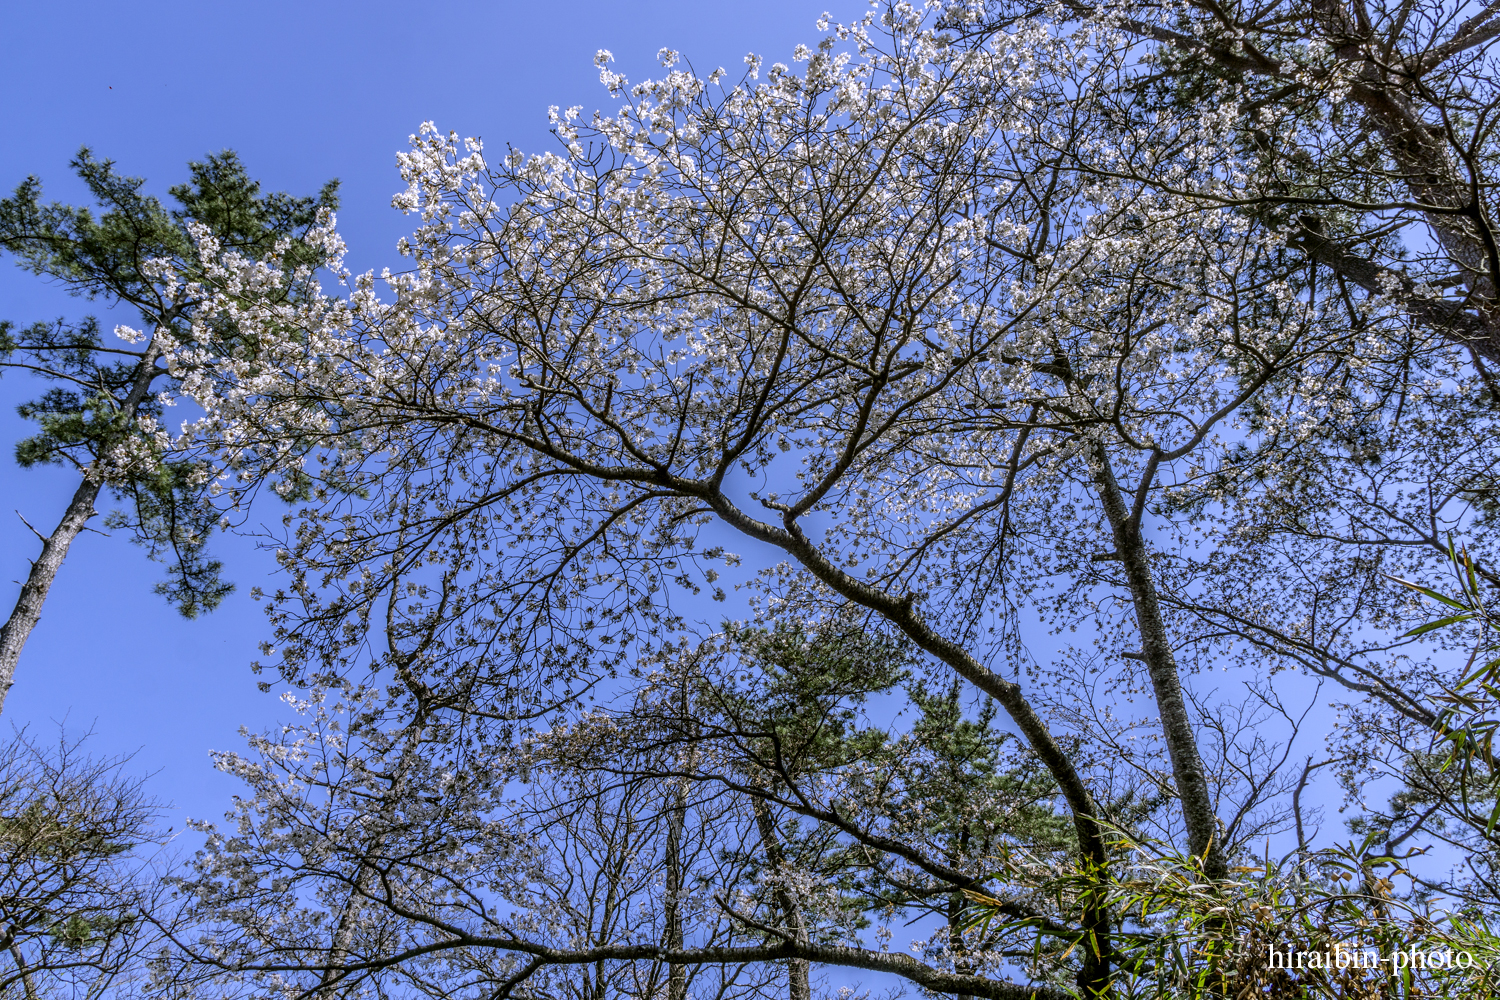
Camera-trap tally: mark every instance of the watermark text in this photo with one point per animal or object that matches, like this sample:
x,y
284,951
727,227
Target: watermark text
x,y
1341,956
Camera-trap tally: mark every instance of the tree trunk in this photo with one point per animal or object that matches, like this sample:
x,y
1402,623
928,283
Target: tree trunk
x,y
26,978
798,987
1161,665
343,935
676,819
28,610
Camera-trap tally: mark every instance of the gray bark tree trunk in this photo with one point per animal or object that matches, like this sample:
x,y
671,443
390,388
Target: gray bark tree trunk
x,y
1161,665
28,608
676,819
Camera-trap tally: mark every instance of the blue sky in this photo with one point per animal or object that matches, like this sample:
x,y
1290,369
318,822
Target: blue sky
x,y
305,92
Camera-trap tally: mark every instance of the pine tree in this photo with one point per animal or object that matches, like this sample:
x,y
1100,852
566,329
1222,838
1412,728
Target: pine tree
x,y
103,416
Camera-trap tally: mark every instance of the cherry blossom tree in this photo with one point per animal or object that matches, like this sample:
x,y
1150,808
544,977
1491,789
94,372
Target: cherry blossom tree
x,y
901,330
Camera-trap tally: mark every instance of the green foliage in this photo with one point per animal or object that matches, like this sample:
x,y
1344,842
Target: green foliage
x,y
105,412
802,717
964,762
811,688
938,777
1329,924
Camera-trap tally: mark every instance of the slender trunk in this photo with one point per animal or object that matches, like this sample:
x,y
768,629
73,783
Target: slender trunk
x,y
8,942
343,934
28,610
27,981
1161,665
677,978
615,876
797,969
676,819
